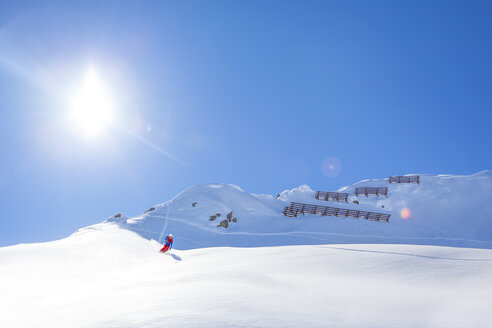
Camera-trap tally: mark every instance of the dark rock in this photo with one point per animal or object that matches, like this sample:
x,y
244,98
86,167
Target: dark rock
x,y
150,210
218,215
229,216
194,204
212,217
119,218
278,196
382,206
355,202
223,223
234,220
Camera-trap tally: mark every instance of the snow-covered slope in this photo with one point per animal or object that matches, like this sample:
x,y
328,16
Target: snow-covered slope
x,y
446,210
106,276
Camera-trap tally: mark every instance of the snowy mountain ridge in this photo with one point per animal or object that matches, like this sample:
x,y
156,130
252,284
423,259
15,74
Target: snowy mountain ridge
x,y
445,210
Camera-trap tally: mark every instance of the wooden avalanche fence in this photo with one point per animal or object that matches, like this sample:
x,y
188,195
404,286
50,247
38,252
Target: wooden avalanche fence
x,y
335,196
295,209
405,179
366,191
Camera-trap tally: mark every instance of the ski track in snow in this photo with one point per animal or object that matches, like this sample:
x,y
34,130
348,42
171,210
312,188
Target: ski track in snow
x,y
294,233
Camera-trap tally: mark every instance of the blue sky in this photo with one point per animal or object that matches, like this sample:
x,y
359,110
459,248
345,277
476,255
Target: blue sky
x,y
253,93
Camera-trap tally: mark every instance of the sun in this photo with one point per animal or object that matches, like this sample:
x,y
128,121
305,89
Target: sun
x,y
91,107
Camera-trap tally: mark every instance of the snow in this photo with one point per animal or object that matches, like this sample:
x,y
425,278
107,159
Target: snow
x,y
110,277
446,210
267,270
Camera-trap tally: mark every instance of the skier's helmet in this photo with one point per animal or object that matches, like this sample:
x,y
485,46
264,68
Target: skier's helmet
x,y
170,235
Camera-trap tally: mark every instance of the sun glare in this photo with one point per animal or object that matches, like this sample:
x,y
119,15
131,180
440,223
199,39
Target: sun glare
x,y
91,107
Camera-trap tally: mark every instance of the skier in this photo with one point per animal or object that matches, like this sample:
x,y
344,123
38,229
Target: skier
x,y
168,244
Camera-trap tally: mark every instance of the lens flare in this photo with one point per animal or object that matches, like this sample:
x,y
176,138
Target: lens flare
x,y
405,213
331,167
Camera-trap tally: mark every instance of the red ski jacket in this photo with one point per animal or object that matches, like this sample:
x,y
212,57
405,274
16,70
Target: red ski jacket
x,y
167,245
